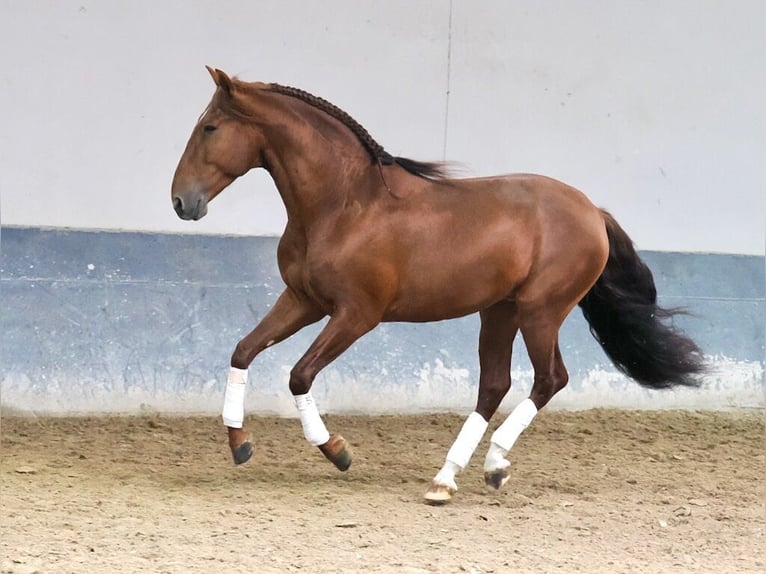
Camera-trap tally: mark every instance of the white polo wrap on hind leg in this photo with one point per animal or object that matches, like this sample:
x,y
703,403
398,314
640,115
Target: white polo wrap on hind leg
x,y
506,434
311,421
462,449
234,398
467,440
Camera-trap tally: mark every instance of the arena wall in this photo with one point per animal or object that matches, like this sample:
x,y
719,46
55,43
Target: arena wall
x,y
112,304
125,322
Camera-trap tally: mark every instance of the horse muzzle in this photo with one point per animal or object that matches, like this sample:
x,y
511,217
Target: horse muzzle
x,y
190,208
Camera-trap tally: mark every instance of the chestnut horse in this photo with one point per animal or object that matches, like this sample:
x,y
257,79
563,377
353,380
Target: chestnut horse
x,y
371,238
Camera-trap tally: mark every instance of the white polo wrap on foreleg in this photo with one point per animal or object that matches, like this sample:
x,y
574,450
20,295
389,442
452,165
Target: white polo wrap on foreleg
x,y
506,434
234,398
313,427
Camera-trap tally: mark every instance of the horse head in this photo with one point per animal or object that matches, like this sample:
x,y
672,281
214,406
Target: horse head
x,y
223,146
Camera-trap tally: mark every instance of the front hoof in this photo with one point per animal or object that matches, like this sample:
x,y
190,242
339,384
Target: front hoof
x,y
336,450
497,478
240,445
438,494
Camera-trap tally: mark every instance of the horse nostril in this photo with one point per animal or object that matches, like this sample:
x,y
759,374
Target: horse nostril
x,y
178,205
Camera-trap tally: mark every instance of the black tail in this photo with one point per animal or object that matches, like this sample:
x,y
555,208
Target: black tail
x,y
622,311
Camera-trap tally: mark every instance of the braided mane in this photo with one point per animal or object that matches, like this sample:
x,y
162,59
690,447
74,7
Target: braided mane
x,y
374,148
429,170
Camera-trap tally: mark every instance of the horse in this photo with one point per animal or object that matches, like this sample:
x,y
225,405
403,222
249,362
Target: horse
x,y
374,238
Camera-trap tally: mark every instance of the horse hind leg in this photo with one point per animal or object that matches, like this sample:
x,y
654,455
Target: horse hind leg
x,y
550,377
498,330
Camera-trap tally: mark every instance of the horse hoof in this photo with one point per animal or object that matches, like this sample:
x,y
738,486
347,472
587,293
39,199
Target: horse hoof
x,y
242,453
336,450
438,494
497,478
240,443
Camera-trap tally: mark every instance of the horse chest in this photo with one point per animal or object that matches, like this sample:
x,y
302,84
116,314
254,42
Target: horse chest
x,y
302,271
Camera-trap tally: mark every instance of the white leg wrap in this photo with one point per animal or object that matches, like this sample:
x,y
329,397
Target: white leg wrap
x,y
467,440
313,427
462,449
234,398
506,434
446,476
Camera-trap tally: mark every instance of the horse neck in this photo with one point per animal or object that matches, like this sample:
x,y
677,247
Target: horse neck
x,y
316,163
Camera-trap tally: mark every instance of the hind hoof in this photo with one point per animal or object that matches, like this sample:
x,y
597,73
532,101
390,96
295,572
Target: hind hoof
x,y
242,453
497,478
438,494
337,452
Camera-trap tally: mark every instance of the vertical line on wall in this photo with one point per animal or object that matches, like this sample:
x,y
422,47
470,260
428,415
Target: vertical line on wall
x,y
449,70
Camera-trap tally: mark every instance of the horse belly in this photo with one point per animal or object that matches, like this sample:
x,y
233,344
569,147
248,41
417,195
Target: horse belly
x,y
455,289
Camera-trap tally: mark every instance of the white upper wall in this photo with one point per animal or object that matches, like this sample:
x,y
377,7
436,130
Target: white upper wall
x,y
654,109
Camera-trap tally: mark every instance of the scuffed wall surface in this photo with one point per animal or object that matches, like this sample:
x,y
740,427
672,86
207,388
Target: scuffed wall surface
x,y
124,322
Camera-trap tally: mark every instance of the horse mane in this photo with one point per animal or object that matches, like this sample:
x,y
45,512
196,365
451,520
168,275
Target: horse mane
x,y
428,170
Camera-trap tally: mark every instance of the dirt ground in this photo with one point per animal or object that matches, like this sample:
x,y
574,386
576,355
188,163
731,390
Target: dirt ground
x,y
596,491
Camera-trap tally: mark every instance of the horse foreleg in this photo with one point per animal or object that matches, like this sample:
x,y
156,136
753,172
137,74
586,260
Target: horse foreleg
x,y
498,329
344,327
288,315
333,446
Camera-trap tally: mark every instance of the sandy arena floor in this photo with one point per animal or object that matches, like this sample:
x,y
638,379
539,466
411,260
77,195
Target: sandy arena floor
x,y
597,491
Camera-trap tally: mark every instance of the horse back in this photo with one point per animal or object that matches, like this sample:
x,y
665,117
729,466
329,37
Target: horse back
x,y
470,243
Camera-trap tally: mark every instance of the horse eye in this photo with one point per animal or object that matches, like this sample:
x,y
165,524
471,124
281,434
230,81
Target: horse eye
x,y
208,128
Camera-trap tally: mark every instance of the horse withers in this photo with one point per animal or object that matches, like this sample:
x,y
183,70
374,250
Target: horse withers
x,y
373,238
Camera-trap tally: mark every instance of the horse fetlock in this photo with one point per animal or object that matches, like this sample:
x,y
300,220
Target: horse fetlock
x,y
496,479
496,467
446,476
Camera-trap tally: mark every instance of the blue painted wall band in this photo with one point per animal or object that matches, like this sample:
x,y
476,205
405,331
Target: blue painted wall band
x,y
108,321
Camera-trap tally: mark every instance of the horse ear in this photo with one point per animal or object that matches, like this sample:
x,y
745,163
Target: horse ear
x,y
221,79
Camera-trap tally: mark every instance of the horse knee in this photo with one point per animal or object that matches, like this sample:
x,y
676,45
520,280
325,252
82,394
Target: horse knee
x,y
239,358
300,381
